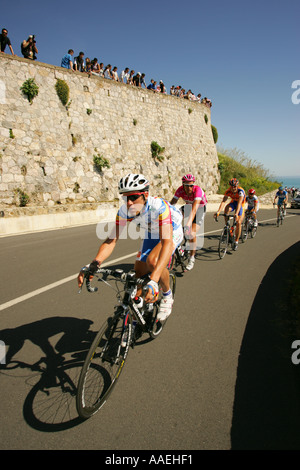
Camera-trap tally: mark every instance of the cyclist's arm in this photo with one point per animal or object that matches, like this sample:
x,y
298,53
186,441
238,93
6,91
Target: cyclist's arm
x,y
275,199
221,206
105,250
195,206
166,238
173,201
239,204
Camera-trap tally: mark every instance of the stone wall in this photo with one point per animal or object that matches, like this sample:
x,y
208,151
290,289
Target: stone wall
x,y
47,149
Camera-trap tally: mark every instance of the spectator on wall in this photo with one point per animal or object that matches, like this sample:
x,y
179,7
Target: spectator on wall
x,y
28,48
79,62
162,87
124,75
130,78
66,61
5,41
107,72
136,80
151,85
101,72
114,74
143,80
95,66
88,65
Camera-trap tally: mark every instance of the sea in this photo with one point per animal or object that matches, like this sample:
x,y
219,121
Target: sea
x,y
288,181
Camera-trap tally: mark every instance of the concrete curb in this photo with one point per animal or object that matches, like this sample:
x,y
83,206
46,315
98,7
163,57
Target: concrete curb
x,y
37,223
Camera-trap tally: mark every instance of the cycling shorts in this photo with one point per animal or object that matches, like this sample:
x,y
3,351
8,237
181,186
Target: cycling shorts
x,y
149,243
199,216
279,203
233,206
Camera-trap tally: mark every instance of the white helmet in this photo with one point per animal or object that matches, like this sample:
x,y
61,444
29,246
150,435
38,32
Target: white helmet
x,y
133,182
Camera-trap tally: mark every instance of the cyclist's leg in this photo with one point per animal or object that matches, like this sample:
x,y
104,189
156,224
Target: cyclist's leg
x,y
230,207
147,261
197,222
239,221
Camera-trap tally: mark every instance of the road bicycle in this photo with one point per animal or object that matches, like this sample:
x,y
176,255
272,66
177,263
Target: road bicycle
x,y
249,227
227,236
180,257
109,350
281,215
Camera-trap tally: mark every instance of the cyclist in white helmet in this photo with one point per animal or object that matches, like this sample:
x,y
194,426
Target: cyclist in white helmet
x,y
162,224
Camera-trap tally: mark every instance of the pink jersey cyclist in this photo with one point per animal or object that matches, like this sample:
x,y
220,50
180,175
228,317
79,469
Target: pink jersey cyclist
x,y
193,211
197,195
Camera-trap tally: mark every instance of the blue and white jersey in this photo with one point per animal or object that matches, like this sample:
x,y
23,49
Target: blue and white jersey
x,y
281,197
153,214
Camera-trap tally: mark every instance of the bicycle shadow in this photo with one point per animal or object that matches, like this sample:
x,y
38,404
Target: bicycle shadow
x,y
50,405
266,410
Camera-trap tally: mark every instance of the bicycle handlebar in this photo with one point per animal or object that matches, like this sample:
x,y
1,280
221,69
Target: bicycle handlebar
x,y
116,273
230,216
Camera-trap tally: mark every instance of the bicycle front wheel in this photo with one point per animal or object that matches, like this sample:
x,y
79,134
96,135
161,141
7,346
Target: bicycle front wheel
x,y
253,231
244,234
223,243
103,365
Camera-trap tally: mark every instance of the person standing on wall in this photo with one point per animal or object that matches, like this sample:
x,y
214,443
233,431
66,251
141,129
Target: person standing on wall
x,y
5,41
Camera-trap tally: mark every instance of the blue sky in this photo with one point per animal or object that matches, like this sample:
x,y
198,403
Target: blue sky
x,y
243,55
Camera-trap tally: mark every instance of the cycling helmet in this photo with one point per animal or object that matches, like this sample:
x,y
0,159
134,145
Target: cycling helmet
x,y
188,179
133,182
234,182
280,188
251,191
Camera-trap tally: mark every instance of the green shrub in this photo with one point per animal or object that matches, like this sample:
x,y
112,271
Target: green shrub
x,y
100,162
214,133
30,89
23,197
157,150
249,173
63,91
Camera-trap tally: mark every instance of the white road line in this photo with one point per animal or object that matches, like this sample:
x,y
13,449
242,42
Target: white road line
x,y
13,302
10,303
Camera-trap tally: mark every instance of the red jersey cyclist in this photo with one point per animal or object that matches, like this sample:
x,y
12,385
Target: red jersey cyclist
x,y
195,200
237,203
253,205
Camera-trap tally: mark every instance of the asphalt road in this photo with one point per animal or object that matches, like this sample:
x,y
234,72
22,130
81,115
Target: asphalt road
x,y
220,375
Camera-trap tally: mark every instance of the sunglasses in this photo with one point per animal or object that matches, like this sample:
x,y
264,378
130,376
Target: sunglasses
x,y
132,197
189,185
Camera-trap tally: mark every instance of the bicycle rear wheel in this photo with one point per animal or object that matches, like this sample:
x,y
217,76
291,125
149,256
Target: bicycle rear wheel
x,y
157,326
103,365
223,243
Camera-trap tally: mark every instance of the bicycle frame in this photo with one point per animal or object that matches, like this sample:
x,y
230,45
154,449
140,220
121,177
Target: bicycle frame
x,y
280,215
128,307
227,236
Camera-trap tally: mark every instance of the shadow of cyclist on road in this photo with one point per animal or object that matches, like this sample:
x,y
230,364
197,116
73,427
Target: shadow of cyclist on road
x,y
75,331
